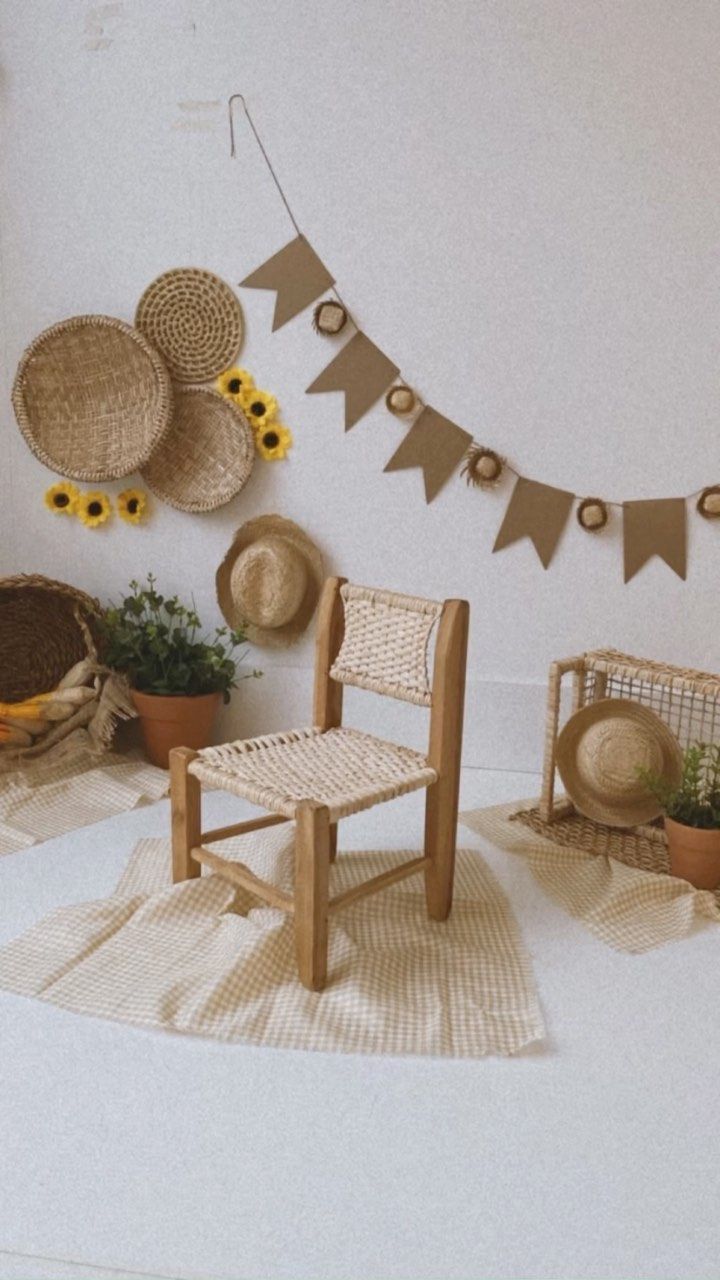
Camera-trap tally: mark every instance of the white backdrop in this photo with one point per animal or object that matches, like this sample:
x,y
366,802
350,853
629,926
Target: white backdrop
x,y
521,204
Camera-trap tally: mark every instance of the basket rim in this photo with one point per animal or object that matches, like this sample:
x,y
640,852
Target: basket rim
x,y
21,581
163,412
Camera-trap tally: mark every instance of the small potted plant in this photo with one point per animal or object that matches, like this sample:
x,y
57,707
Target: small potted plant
x,y
692,815
177,677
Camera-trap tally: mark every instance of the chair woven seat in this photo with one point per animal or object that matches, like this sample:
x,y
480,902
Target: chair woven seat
x,y
341,768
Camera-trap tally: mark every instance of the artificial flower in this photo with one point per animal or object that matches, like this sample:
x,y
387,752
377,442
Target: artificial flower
x,y
132,505
62,498
93,508
273,442
260,407
234,383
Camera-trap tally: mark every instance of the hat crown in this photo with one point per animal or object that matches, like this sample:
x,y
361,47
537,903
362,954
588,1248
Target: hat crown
x,y
610,754
269,581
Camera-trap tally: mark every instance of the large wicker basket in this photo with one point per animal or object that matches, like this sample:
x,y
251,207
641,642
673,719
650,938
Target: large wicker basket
x,y
45,628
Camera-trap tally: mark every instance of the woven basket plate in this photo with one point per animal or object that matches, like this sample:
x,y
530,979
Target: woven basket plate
x,y
92,398
194,320
206,456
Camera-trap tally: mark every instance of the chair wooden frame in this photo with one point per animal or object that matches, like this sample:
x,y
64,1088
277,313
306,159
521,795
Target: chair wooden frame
x,y
315,835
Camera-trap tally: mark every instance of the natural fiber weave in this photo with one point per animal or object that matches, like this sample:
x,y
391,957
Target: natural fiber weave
x,y
92,398
206,456
208,959
194,320
624,896
342,768
385,643
45,628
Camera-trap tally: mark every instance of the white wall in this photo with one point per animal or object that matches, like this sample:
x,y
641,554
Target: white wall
x,y
521,202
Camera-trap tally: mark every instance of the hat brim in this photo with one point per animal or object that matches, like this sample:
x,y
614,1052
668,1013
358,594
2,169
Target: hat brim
x,y
261,527
591,800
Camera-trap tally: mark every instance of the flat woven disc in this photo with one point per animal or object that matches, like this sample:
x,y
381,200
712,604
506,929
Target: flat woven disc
x,y
206,456
92,398
194,320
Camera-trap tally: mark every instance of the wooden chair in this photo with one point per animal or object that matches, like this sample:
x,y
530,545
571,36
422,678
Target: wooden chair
x,y
376,640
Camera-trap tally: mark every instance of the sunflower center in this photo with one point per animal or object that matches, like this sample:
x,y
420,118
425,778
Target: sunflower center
x,y
132,506
271,439
94,508
234,386
61,499
258,408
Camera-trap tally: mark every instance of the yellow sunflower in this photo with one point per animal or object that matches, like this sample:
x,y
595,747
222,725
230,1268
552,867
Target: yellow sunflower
x,y
273,442
260,408
234,383
93,508
62,498
132,505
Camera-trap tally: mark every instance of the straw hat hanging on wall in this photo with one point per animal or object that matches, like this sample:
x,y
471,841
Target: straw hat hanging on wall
x,y
270,581
599,753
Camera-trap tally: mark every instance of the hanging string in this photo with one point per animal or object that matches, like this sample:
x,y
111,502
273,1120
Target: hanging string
x,y
238,97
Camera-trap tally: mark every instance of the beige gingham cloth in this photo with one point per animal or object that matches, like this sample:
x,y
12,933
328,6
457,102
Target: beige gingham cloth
x,y
632,908
71,786
207,958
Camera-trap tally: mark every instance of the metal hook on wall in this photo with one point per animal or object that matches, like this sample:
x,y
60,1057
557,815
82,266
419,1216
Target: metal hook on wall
x,y
238,97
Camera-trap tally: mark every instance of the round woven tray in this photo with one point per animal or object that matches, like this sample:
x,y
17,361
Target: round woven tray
x,y
194,320
206,456
45,628
92,398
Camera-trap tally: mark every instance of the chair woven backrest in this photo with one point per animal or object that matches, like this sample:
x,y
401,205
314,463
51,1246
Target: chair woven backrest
x,y
385,643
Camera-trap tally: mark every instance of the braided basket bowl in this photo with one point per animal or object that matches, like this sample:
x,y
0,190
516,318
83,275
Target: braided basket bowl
x,y
92,398
194,320
206,456
45,628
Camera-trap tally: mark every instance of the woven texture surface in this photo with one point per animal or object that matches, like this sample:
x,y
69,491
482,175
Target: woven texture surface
x,y
206,456
45,628
344,769
92,398
204,958
385,643
194,320
632,904
71,787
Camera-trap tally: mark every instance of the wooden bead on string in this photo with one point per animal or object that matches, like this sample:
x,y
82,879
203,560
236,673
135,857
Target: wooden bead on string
x,y
592,515
329,317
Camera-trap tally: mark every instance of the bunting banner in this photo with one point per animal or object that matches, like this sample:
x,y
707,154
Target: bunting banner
x,y
362,372
655,527
538,512
296,274
436,445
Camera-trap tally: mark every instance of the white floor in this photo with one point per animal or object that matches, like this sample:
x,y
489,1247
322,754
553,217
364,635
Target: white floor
x,y
596,1157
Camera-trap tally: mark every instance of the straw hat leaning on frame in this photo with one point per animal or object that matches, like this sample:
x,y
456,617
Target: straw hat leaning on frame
x,y
270,581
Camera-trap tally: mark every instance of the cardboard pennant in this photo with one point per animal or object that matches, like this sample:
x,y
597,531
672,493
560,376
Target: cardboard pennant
x,y
655,527
436,445
296,274
362,371
538,512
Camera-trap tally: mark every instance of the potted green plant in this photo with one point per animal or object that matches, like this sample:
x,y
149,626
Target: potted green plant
x,y
692,815
177,676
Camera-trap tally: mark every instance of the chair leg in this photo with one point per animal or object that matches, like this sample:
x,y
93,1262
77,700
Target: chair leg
x,y
185,802
441,806
312,865
333,840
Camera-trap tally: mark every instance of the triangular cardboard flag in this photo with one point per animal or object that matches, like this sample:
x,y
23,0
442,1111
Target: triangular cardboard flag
x,y
655,527
538,512
297,275
435,444
362,371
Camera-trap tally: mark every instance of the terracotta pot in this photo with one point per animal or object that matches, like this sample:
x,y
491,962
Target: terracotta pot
x,y
174,722
694,854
